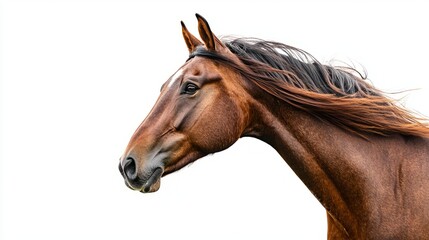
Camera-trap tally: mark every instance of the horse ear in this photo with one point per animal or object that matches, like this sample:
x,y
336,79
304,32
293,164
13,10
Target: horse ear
x,y
210,40
191,41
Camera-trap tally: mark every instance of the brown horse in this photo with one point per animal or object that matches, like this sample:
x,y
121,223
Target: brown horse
x,y
365,158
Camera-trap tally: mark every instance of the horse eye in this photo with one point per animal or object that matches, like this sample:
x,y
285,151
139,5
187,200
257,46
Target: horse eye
x,y
190,88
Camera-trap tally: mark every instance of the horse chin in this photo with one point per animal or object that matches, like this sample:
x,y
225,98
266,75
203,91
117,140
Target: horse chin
x,y
152,188
154,182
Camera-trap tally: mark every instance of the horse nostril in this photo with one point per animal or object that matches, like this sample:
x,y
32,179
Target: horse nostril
x,y
130,168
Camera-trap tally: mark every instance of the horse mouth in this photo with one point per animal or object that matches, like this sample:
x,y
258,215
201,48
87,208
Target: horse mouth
x,y
153,183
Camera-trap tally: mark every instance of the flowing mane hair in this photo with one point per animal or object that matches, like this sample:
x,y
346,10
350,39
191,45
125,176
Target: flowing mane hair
x,y
339,95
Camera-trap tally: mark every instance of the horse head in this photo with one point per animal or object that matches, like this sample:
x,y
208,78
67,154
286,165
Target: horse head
x,y
201,109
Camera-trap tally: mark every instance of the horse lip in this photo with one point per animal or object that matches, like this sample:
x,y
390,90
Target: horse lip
x,y
153,182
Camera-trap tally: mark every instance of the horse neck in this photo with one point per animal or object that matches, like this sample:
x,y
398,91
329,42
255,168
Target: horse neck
x,y
327,159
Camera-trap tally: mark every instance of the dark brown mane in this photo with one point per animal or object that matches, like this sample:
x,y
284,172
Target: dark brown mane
x,y
336,94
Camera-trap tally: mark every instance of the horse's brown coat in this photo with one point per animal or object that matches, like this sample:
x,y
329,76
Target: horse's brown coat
x,y
370,170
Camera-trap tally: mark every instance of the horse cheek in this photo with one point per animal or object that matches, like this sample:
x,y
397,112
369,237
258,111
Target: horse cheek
x,y
218,127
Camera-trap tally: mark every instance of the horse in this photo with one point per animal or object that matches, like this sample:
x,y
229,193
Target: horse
x,y
361,154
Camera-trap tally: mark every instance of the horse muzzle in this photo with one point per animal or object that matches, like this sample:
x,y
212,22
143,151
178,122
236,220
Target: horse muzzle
x,y
148,183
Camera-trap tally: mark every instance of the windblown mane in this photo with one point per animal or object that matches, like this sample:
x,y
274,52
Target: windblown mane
x,y
337,94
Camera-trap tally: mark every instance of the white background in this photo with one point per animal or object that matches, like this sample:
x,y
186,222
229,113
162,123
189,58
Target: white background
x,y
78,77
